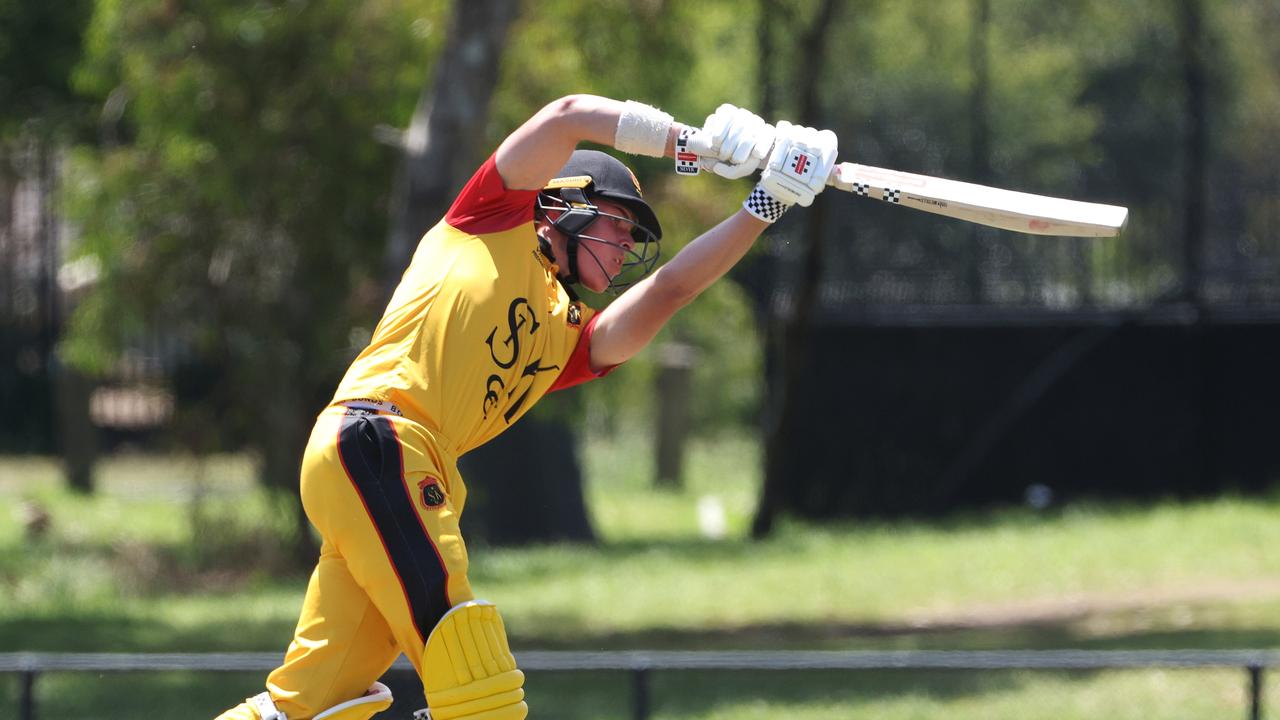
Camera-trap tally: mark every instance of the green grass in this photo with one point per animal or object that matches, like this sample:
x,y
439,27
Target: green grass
x,y
145,566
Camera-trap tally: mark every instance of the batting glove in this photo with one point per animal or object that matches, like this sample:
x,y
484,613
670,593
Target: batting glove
x,y
800,163
736,139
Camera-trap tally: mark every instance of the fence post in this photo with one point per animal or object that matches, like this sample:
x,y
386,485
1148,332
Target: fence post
x,y
1255,692
27,698
640,688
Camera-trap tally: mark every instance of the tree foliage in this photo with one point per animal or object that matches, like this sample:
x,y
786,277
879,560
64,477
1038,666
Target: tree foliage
x,y
237,203
243,206
39,45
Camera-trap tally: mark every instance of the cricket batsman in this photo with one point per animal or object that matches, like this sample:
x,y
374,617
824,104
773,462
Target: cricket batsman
x,y
484,322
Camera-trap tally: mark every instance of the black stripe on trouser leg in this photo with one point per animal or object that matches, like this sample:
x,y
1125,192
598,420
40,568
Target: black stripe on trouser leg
x,y
371,453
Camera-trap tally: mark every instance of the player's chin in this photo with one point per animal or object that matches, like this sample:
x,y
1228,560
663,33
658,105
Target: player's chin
x,y
597,284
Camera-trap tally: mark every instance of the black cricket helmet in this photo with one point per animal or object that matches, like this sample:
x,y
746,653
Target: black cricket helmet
x,y
591,174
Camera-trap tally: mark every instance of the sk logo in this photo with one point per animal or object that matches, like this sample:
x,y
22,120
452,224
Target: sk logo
x,y
575,314
432,495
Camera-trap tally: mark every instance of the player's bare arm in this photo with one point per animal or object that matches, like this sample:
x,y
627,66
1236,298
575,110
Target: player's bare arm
x,y
629,323
535,151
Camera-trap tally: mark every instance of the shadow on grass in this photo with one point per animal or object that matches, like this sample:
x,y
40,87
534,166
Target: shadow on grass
x,y
872,636
129,696
106,631
126,633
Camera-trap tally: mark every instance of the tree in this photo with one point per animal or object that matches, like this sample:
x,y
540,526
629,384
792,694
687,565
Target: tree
x,y
242,215
39,114
789,344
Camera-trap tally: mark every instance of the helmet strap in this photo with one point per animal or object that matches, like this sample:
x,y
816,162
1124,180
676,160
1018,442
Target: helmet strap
x,y
578,215
571,249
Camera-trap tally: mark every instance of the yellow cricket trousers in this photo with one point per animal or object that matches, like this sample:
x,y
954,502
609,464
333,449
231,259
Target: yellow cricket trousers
x,y
386,500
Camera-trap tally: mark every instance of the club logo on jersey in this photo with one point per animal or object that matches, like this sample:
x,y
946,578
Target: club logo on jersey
x,y
432,495
575,314
522,328
520,315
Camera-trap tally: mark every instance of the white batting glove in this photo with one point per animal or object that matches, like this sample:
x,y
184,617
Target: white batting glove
x,y
737,139
800,163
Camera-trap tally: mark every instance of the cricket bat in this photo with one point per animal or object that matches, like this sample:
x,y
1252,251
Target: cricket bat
x,y
1007,209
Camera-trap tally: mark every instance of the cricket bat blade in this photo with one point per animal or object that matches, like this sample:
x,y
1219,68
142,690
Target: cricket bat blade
x,y
1007,209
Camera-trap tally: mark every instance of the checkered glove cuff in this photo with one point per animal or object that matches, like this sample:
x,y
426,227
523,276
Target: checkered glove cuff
x,y
764,205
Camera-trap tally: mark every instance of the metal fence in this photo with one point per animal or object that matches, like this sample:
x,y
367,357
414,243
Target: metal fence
x,y
641,664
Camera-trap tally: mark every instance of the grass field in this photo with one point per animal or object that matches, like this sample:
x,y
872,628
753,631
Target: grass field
x,y
154,562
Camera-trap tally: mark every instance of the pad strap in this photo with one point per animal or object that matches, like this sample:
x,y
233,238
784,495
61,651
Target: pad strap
x,y
376,699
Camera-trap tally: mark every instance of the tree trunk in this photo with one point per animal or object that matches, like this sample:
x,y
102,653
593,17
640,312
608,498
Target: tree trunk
x,y
286,428
979,137
76,436
442,145
1195,57
526,486
788,341
1197,149
672,388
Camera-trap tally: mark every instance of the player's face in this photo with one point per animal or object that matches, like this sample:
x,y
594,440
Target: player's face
x,y
610,249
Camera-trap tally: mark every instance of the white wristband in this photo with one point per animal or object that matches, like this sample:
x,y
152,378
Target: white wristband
x,y
642,130
762,204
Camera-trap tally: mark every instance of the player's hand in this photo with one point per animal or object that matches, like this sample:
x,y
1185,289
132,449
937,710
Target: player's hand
x,y
737,139
800,163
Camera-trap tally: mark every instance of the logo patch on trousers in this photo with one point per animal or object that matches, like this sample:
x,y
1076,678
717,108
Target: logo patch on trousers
x,y
432,495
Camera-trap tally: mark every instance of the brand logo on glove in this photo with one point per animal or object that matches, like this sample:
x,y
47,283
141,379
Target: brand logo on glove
x,y
432,495
800,164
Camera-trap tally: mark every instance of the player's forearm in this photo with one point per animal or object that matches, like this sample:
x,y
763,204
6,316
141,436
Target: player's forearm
x,y
634,319
708,257
531,155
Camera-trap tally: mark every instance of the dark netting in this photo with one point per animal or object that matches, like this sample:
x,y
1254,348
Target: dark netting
x,y
1133,119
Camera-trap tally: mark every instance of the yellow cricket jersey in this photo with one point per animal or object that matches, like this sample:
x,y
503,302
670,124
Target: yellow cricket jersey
x,y
479,328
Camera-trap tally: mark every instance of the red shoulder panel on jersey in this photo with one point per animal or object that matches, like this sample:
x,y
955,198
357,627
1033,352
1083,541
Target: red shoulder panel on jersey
x,y
485,205
578,369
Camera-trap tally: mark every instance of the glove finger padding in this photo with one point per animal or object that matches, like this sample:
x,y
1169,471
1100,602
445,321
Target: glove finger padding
x,y
745,140
737,140
468,671
710,139
801,162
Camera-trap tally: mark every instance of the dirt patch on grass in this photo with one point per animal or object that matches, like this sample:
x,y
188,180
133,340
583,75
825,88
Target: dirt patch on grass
x,y
1155,617
1070,608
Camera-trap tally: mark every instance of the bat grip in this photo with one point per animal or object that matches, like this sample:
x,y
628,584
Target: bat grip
x,y
706,161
